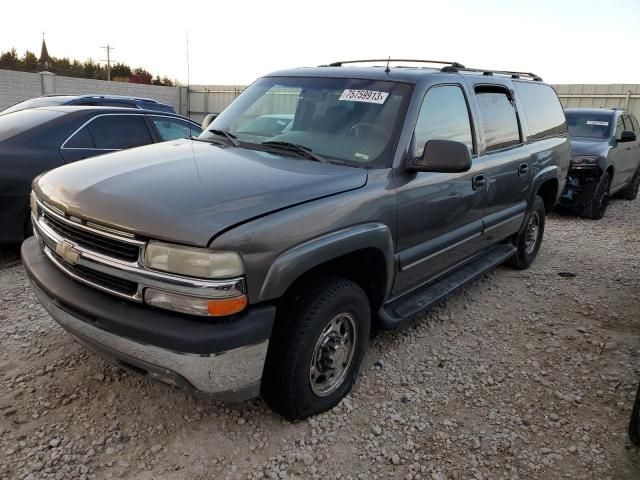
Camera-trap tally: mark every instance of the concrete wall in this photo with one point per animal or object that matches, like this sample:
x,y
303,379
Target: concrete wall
x,y
18,86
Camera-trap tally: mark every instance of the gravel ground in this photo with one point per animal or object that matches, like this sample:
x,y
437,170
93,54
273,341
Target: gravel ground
x,y
523,374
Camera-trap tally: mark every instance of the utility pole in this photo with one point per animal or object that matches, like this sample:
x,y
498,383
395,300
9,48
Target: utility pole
x,y
108,60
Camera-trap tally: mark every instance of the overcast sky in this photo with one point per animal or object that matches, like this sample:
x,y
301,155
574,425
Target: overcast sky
x,y
233,42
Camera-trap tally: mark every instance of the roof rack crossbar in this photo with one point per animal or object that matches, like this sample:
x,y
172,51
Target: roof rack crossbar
x,y
489,71
439,62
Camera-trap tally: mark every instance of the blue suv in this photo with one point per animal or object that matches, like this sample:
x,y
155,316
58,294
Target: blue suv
x,y
92,100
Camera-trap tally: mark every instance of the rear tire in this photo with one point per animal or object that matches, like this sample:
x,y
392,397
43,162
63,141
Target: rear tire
x,y
634,423
528,241
316,347
631,191
597,206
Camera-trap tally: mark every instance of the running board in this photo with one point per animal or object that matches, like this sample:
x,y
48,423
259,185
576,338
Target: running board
x,y
407,307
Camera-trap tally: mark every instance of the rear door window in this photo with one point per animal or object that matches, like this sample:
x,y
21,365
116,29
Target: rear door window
x,y
636,127
444,115
81,139
117,132
173,128
499,118
542,109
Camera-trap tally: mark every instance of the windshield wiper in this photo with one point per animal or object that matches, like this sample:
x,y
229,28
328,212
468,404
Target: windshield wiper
x,y
303,151
229,136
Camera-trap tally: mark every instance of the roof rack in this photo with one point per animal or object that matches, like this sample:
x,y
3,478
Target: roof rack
x,y
491,72
387,60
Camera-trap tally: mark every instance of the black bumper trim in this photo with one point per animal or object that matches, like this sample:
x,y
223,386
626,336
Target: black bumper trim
x,y
141,323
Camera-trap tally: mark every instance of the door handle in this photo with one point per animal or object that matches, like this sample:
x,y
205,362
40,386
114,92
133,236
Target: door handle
x,y
478,181
523,169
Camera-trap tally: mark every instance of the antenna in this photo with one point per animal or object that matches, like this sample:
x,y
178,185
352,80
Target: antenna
x,y
387,70
188,77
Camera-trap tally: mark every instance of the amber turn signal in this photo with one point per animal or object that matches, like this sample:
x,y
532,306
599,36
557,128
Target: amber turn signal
x,y
226,306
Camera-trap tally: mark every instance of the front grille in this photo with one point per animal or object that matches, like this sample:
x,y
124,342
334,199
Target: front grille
x,y
93,241
120,285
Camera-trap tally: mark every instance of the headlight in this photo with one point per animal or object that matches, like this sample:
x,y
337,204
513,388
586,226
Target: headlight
x,y
214,307
33,201
198,263
584,161
193,262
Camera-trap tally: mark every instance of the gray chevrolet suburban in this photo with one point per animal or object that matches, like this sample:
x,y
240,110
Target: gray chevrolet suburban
x,y
323,202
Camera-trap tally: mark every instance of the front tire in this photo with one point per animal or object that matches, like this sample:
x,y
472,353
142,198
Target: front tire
x,y
631,191
597,205
317,347
528,241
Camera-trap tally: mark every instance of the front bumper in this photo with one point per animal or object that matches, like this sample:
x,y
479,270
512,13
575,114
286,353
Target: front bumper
x,y
581,186
222,359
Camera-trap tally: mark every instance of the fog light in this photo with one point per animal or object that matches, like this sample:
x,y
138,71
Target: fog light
x,y
195,305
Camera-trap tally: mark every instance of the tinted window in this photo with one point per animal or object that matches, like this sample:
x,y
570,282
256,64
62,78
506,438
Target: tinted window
x,y
588,124
542,109
636,128
172,128
82,139
443,116
119,131
628,124
499,120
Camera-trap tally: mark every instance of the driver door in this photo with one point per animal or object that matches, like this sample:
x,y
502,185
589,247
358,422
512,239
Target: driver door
x,y
439,214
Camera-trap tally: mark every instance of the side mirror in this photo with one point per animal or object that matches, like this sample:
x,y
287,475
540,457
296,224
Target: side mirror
x,y
628,136
444,156
210,117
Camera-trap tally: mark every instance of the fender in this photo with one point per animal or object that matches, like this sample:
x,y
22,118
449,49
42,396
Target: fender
x,y
300,259
552,172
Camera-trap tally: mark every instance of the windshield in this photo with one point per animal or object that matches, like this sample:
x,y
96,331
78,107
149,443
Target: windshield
x,y
33,103
589,125
349,120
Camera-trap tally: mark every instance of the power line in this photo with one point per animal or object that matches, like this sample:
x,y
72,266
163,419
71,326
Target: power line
x,y
108,60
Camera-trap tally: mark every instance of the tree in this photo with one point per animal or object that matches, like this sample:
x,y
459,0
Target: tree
x,y
9,60
140,75
120,70
30,61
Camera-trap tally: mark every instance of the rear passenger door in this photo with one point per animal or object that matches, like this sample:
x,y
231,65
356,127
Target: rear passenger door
x,y
106,133
504,160
439,214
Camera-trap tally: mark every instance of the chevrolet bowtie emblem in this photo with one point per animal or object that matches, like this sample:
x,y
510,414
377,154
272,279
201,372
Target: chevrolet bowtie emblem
x,y
66,251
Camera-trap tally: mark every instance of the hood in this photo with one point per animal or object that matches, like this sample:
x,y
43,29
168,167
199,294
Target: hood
x,y
588,146
188,191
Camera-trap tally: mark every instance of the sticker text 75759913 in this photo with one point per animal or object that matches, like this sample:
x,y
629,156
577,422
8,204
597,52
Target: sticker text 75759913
x,y
367,96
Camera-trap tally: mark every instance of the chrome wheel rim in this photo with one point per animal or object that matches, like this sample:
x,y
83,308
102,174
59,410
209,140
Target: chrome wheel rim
x,y
333,355
533,229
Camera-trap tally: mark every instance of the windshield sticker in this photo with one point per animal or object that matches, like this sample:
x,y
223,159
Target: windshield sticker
x,y
361,155
597,122
367,96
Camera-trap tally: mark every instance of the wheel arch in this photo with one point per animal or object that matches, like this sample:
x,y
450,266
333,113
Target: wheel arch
x,y
363,253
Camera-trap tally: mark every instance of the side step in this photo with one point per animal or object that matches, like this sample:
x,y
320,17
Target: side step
x,y
405,308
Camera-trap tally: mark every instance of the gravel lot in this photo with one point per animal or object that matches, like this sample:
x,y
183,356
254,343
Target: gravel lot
x,y
524,374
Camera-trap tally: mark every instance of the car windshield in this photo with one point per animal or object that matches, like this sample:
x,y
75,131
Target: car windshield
x,y
33,103
350,120
589,125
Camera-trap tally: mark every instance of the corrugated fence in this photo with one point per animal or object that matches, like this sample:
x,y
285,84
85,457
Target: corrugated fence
x,y
625,96
214,98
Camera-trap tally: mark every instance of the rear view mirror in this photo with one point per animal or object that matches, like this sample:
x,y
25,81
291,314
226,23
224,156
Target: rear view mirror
x,y
443,156
208,119
628,136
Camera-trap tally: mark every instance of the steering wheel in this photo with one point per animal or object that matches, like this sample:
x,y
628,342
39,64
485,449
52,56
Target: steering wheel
x,y
357,130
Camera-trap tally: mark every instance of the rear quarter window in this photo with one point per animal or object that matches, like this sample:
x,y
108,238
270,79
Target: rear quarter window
x,y
542,109
12,124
